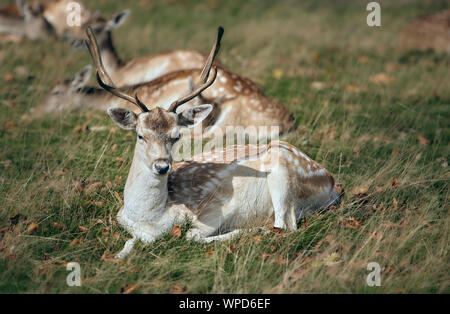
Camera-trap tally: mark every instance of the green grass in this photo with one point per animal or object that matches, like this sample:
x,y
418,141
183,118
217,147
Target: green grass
x,y
367,134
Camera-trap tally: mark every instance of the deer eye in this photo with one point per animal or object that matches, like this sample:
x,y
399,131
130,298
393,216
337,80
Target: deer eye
x,y
140,137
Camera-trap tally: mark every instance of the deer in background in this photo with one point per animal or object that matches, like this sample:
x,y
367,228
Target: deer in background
x,y
236,100
428,32
55,13
274,182
139,70
25,22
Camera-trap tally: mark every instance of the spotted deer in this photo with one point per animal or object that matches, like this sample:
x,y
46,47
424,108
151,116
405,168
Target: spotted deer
x,y
236,100
24,22
142,69
431,31
55,13
274,182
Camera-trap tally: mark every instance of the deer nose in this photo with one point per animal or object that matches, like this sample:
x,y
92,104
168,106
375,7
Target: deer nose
x,y
161,166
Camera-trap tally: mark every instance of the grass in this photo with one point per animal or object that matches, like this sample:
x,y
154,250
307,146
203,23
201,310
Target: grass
x,y
386,142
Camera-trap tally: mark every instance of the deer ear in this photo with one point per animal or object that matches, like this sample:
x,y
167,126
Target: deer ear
x,y
191,117
82,77
117,20
124,118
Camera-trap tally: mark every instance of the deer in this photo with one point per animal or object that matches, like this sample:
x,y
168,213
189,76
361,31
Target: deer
x,y
27,22
274,183
235,100
431,31
55,13
142,69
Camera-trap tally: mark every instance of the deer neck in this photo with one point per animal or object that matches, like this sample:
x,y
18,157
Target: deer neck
x,y
146,194
110,58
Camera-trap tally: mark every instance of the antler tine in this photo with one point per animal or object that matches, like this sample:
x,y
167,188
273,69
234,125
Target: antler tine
x,y
212,55
103,79
194,93
204,82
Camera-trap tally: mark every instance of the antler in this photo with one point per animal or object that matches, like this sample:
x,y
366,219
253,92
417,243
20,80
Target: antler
x,y
104,80
204,83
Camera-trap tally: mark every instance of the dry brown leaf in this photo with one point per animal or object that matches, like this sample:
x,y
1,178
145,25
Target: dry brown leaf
x,y
75,242
256,239
8,77
210,252
32,227
177,289
61,172
117,195
316,85
423,140
360,191
129,289
381,78
59,225
395,183
351,223
176,230
395,202
83,229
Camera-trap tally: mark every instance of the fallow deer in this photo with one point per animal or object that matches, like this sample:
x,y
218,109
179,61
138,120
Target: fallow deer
x,y
274,182
237,100
30,23
431,31
55,13
139,70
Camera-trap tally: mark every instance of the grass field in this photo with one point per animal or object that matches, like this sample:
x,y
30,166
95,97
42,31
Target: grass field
x,y
374,115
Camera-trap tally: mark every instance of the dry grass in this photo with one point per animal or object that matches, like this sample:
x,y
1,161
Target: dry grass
x,y
387,141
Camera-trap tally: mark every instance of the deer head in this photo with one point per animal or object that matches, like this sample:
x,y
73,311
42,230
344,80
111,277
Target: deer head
x,y
157,129
64,94
36,25
102,28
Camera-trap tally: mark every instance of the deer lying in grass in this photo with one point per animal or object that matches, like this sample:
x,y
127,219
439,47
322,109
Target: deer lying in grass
x,y
29,23
236,101
55,13
428,32
139,70
275,180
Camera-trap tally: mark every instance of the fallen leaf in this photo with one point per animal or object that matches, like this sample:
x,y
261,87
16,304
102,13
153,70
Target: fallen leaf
x,y
360,191
75,242
117,195
423,140
59,225
176,230
395,202
177,289
210,252
129,289
256,239
32,227
83,229
316,85
8,77
381,78
395,183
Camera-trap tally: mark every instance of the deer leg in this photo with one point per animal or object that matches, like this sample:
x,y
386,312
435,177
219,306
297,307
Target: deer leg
x,y
221,237
283,211
126,248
